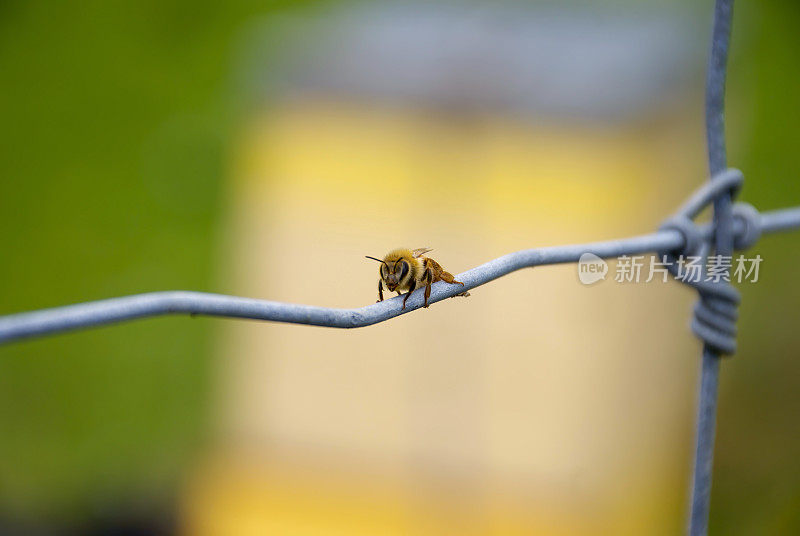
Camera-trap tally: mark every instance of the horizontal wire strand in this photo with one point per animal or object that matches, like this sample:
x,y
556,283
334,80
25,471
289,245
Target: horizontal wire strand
x,y
96,313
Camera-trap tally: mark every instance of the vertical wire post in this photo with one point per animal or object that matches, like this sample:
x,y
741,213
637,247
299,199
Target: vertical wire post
x,y
709,375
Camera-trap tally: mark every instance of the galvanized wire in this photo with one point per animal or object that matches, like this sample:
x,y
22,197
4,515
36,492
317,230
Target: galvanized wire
x,y
37,323
730,228
723,223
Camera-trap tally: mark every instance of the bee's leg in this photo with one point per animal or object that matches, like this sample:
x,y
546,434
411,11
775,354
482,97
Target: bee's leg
x,y
411,288
429,280
448,278
380,290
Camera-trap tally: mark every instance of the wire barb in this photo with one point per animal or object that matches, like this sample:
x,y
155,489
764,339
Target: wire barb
x,y
715,315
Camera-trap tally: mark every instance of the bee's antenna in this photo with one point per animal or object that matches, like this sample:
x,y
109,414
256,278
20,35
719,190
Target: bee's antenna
x,y
374,259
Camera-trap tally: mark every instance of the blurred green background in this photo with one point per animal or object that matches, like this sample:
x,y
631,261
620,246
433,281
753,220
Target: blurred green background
x,y
757,471
117,120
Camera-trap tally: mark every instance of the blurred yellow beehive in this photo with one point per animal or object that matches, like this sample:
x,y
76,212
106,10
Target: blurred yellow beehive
x,y
537,405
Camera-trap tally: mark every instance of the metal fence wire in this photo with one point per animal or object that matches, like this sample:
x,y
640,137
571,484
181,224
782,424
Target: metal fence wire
x,y
735,227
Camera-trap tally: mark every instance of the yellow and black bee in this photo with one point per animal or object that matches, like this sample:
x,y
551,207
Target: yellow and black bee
x,y
405,269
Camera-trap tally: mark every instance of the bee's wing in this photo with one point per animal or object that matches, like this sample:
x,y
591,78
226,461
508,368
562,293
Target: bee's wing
x,y
419,251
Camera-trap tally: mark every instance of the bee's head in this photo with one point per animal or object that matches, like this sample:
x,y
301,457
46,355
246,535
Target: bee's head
x,y
394,271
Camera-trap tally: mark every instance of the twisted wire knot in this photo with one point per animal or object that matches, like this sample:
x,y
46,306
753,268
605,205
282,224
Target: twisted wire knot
x,y
715,313
750,220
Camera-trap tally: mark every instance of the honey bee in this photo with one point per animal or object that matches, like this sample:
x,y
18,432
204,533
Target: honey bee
x,y
405,269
